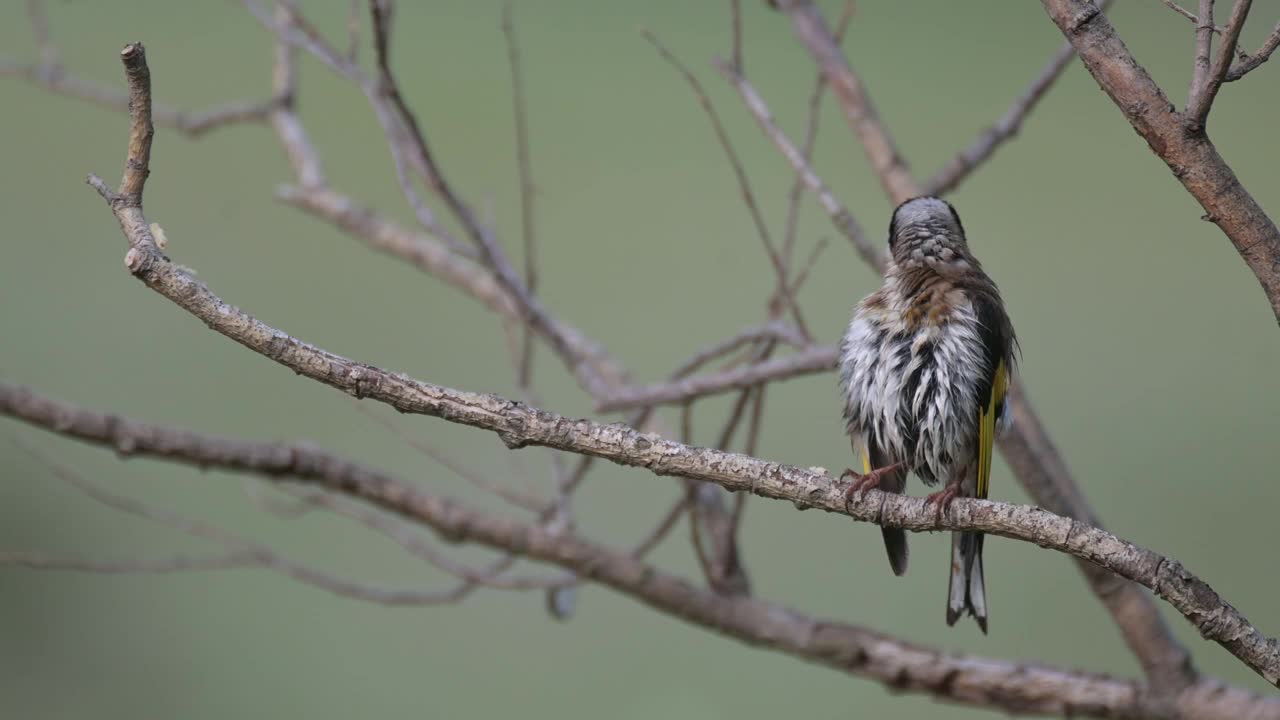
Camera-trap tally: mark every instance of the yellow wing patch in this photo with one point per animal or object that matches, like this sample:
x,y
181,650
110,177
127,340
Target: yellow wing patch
x,y
987,427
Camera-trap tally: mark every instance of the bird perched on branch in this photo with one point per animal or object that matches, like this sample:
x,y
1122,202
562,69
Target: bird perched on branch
x,y
924,367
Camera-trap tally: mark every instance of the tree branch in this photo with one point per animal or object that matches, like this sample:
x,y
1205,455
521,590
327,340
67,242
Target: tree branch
x,y
1194,160
519,426
1020,688
191,124
990,140
816,358
1249,63
1206,82
1204,44
881,150
1028,448
844,221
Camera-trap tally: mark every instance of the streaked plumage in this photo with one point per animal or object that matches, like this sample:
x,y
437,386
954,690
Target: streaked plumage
x,y
924,367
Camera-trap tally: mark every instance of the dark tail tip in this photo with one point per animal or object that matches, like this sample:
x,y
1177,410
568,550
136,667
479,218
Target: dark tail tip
x,y
895,544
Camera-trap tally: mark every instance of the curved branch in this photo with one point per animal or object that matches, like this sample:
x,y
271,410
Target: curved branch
x,y
519,425
1020,688
1175,139
1028,448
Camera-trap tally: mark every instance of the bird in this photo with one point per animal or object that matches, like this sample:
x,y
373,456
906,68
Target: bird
x,y
925,367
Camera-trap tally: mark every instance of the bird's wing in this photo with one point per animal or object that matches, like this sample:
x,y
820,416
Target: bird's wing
x,y
997,342
987,414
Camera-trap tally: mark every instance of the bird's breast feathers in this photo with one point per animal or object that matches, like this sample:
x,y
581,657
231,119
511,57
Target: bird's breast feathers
x,y
910,370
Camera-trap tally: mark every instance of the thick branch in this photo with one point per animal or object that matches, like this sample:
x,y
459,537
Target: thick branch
x,y
1020,688
519,425
1194,160
1028,448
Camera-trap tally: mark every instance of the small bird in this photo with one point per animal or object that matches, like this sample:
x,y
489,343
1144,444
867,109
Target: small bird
x,y
924,368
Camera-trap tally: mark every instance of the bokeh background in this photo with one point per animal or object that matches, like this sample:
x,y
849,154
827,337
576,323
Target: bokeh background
x,y
1147,347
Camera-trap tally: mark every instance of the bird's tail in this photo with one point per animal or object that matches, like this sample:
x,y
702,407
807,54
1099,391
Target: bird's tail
x,y
895,544
895,539
967,590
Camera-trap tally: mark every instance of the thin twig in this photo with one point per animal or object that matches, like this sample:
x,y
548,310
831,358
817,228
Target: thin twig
x,y
40,31
810,262
527,226
519,498
232,560
1217,29
819,358
840,216
740,172
191,124
1249,63
1201,100
1202,63
353,31
889,165
735,25
240,552
1006,128
812,116
983,682
519,426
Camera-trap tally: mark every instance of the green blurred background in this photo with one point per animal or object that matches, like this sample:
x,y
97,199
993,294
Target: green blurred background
x,y
1148,349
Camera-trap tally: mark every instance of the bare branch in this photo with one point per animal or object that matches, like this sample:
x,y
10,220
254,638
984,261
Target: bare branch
x,y
235,560
1249,63
1204,44
1217,30
807,488
740,172
240,552
532,309
1028,448
1205,89
520,426
735,24
301,154
841,217
189,124
881,150
40,31
49,74
519,498
810,138
520,106
353,31
818,358
1191,156
116,200
1004,130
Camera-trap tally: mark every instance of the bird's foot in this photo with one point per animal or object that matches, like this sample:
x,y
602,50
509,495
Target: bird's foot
x,y
943,498
864,482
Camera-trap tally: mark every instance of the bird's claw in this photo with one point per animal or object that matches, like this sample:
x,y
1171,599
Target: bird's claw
x,y
863,482
943,498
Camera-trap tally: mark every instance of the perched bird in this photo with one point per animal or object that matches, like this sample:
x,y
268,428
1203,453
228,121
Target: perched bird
x,y
924,367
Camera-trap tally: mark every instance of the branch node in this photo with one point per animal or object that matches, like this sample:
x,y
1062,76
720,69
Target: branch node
x,y
1082,18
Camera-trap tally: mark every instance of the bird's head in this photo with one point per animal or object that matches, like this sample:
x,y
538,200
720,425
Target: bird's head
x,y
926,233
